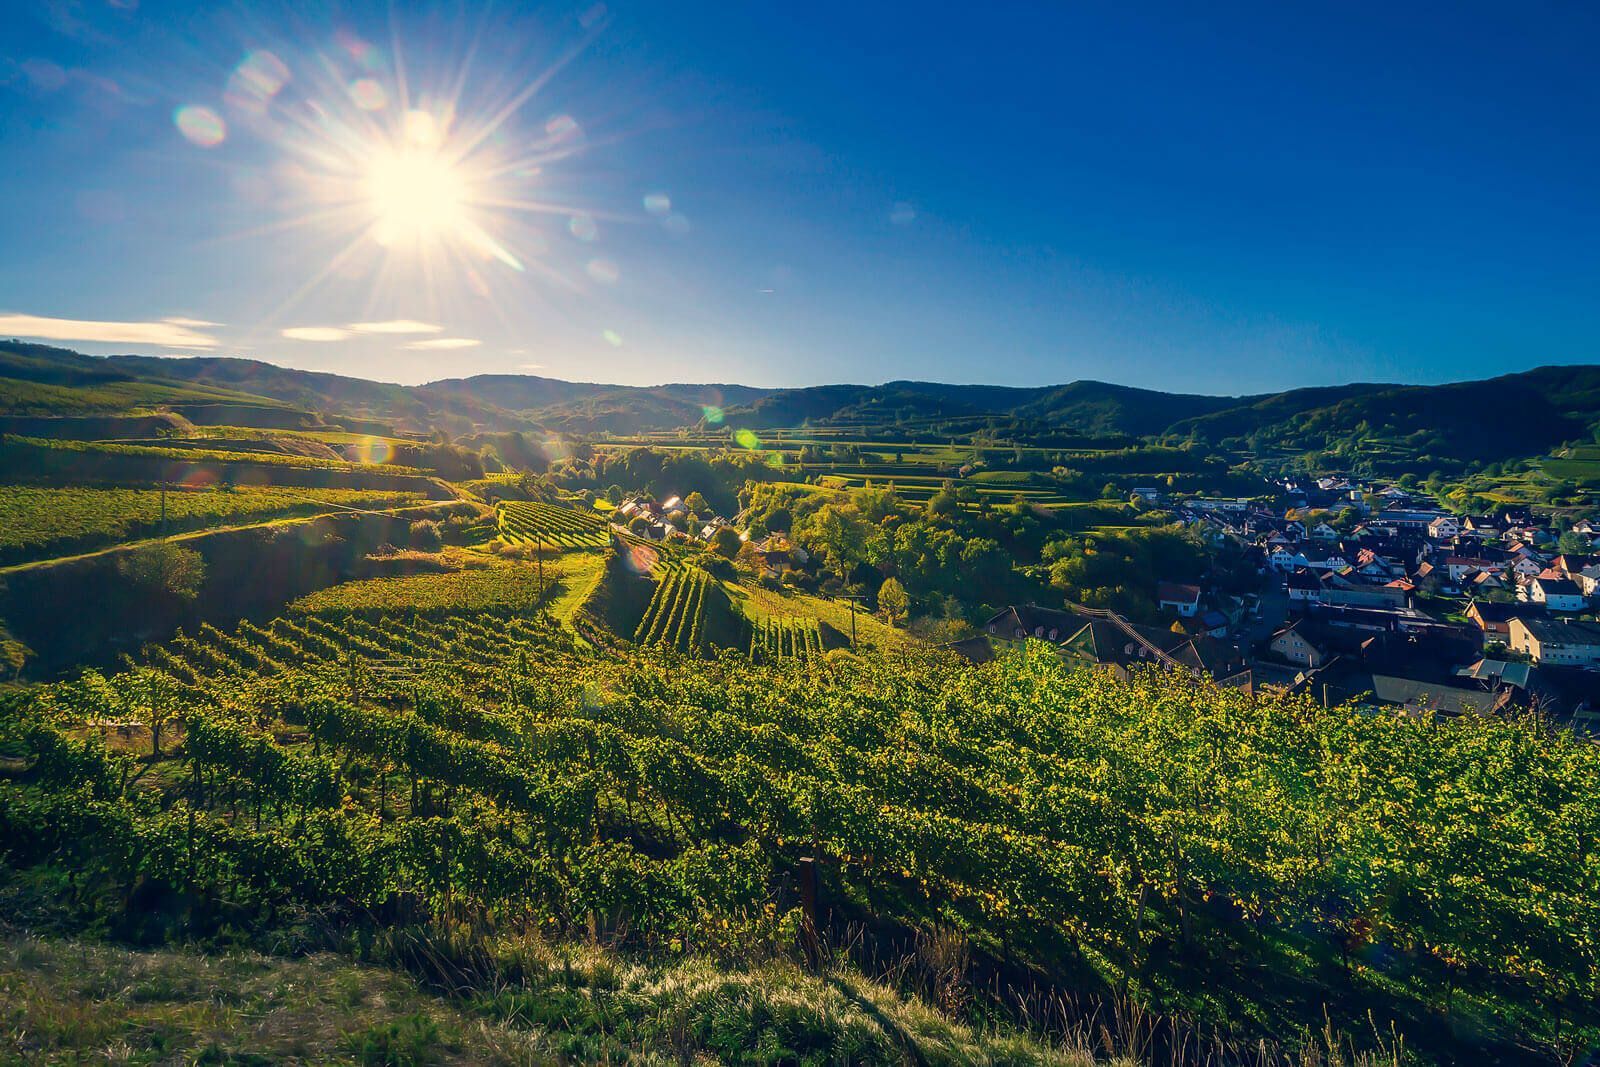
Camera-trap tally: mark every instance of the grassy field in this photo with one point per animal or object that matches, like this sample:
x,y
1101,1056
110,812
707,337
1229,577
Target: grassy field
x,y
71,1002
483,583
39,522
763,607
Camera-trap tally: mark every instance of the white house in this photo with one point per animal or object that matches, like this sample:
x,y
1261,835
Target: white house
x,y
1184,599
1444,527
1282,557
1556,594
1323,532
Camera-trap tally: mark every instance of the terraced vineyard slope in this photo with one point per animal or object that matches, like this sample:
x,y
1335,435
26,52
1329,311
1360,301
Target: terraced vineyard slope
x,y
535,522
781,638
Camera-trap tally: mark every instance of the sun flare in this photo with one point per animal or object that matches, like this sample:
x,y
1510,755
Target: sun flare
x,y
415,195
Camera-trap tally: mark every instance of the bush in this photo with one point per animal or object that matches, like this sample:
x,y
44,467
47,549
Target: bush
x,y
426,535
165,568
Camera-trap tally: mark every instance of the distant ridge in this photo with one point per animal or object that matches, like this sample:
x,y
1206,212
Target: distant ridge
x,y
1513,415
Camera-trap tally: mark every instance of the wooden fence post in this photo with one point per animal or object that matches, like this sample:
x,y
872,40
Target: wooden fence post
x,y
810,936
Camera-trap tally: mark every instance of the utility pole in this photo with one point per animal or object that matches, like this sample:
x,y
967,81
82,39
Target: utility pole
x,y
853,598
163,510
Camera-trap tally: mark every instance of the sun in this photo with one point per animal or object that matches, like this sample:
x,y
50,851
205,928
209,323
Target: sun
x,y
416,195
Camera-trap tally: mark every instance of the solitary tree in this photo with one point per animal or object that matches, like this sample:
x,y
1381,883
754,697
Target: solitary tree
x,y
892,600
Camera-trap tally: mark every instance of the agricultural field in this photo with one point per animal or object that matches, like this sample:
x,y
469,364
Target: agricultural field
x,y
171,450
535,522
37,523
761,606
677,613
489,771
482,583
785,638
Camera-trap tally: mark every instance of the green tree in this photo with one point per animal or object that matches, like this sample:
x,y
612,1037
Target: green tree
x,y
165,568
726,542
892,600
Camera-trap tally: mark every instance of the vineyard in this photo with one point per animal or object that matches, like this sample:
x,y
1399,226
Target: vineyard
x,y
36,522
781,638
1207,853
535,522
678,610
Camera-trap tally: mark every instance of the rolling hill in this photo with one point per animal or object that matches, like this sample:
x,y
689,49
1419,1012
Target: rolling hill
x,y
1514,415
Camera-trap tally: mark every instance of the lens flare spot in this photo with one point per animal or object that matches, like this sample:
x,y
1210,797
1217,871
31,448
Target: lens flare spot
x,y
373,450
368,95
603,271
658,203
612,338
200,125
582,226
775,460
747,439
563,128
258,78
712,414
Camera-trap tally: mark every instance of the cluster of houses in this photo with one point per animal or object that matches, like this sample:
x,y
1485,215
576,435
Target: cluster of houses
x,y
667,520
1403,605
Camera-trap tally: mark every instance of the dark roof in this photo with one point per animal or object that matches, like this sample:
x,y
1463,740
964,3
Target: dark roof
x,y
1177,593
1562,633
977,649
1559,587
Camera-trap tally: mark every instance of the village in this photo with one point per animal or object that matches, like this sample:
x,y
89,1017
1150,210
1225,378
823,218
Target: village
x,y
1372,595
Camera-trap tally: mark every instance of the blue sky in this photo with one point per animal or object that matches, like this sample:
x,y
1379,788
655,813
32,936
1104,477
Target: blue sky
x,y
1231,199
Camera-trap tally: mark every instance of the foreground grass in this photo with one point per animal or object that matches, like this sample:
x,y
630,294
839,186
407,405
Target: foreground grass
x,y
69,1002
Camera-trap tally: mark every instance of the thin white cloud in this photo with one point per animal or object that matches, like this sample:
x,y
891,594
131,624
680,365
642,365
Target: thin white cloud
x,y
315,333
165,334
395,326
530,366
440,343
197,324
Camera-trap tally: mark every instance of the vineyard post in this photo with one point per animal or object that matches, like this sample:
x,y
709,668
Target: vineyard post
x,y
810,940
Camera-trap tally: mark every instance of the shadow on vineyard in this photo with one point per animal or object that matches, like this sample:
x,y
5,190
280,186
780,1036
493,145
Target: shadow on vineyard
x,y
862,859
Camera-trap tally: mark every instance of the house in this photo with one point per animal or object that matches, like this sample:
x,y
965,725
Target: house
x,y
1444,527
1486,581
1494,619
1558,643
1281,557
1303,585
1148,494
1554,594
1527,567
1106,640
1290,645
1458,567
1323,532
1183,599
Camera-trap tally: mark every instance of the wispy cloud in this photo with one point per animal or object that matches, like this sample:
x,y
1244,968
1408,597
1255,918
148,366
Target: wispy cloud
x,y
530,366
168,334
197,324
395,326
439,343
315,333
